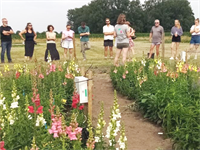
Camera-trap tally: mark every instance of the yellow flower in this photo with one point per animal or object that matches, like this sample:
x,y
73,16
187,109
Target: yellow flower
x,y
1,74
6,68
64,101
195,68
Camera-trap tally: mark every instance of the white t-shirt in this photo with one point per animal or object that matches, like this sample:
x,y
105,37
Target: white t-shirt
x,y
109,28
192,28
51,35
68,33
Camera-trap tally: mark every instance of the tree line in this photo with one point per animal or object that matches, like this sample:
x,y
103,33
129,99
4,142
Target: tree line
x,y
141,16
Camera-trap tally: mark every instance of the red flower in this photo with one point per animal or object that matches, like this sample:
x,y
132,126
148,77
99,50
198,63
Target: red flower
x,y
17,75
39,111
30,109
74,105
2,145
81,107
37,100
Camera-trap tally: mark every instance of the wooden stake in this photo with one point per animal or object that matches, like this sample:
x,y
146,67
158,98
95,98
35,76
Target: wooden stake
x,y
82,71
74,48
90,85
163,45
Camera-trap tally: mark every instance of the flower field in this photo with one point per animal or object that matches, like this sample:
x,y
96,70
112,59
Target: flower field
x,y
167,94
40,109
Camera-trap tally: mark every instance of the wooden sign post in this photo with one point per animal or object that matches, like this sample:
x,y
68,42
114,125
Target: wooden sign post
x,y
163,45
74,48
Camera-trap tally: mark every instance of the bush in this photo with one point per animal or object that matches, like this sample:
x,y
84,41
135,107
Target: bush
x,y
166,95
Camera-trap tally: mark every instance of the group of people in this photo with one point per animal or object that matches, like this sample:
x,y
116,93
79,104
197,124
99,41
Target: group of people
x,y
122,32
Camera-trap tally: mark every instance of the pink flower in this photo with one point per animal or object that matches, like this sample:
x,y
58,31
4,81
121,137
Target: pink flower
x,y
115,71
78,130
124,76
64,83
2,145
52,68
68,129
41,76
126,71
72,136
198,69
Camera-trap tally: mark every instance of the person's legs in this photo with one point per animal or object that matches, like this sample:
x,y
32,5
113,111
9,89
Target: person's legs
x,y
125,50
118,52
172,50
87,45
3,49
111,51
65,53
151,50
157,50
105,51
70,53
177,47
83,50
196,48
191,48
8,47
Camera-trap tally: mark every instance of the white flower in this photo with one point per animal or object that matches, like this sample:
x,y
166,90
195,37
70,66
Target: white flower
x,y
4,106
17,98
1,102
14,105
29,117
11,122
96,139
40,120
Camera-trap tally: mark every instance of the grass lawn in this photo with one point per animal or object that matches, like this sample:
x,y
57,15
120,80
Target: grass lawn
x,y
95,56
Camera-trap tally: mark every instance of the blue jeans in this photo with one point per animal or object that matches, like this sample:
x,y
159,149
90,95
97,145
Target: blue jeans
x,y
6,46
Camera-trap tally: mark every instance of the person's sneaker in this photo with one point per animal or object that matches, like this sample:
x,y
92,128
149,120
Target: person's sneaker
x,y
195,57
171,58
111,57
105,57
176,58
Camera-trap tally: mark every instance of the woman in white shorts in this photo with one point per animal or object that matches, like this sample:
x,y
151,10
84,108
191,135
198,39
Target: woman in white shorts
x,y
67,41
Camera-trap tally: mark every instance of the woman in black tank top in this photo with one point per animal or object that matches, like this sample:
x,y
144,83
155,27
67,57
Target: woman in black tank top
x,y
29,40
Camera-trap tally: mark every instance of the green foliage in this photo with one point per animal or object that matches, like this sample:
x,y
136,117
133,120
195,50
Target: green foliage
x,y
170,97
141,16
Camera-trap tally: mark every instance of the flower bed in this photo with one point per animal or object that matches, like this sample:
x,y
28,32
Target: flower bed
x,y
39,109
166,94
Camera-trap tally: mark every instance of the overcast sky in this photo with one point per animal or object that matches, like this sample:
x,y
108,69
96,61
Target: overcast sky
x,y
44,12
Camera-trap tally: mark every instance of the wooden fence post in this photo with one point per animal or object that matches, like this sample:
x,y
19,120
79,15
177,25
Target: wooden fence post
x,y
163,45
90,85
74,48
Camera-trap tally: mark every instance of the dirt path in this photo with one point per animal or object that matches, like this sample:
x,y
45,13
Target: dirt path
x,y
141,134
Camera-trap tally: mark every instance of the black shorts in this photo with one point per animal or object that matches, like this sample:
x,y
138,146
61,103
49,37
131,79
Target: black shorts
x,y
176,39
108,43
122,45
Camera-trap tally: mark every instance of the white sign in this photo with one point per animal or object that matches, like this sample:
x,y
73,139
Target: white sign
x,y
81,86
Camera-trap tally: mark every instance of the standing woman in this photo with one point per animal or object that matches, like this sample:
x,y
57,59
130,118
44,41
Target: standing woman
x,y
122,34
195,40
131,44
176,32
67,41
30,37
51,44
